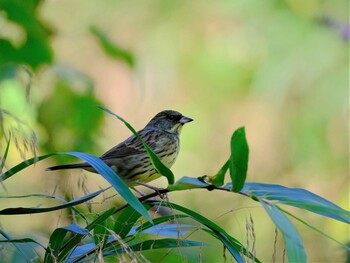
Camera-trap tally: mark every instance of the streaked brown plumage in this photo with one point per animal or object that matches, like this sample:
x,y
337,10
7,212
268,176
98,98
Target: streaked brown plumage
x,y
129,159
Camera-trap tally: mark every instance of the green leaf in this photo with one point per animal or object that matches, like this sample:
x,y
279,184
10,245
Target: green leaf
x,y
297,197
159,220
101,234
186,183
19,167
105,171
57,241
76,239
112,49
292,240
158,244
35,210
232,244
239,159
158,165
218,179
125,221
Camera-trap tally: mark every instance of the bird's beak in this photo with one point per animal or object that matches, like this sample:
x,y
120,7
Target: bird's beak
x,y
185,119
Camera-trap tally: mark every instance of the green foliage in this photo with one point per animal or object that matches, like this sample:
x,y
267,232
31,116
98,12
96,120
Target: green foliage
x,y
112,49
123,231
84,120
239,159
35,49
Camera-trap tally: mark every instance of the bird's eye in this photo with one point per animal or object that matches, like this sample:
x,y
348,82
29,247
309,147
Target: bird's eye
x,y
171,117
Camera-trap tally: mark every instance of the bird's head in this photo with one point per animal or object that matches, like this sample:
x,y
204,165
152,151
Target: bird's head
x,y
169,120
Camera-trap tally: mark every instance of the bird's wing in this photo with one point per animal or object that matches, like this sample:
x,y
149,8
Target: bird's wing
x,y
131,146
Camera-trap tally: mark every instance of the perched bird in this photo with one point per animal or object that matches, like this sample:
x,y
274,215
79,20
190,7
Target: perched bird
x,y
129,158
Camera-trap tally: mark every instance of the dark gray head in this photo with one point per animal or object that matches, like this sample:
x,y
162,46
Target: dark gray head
x,y
169,120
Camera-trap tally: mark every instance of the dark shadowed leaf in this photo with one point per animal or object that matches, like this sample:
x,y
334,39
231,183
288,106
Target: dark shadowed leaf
x,y
239,159
233,245
58,241
125,221
158,244
35,210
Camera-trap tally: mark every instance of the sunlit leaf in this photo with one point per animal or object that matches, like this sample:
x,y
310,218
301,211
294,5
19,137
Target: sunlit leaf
x,y
239,159
218,179
233,245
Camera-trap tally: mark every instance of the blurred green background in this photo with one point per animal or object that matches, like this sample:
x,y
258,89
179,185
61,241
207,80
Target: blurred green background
x,y
279,68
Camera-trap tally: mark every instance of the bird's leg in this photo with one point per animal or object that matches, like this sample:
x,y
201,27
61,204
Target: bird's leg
x,y
156,189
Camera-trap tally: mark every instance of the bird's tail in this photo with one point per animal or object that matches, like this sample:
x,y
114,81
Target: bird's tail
x,y
69,166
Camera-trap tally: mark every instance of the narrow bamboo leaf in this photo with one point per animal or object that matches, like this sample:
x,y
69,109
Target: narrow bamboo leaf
x,y
218,179
35,210
101,233
75,240
158,165
2,164
56,241
186,183
239,159
157,221
76,229
125,221
172,230
158,244
86,250
316,229
19,167
232,244
112,49
297,197
292,240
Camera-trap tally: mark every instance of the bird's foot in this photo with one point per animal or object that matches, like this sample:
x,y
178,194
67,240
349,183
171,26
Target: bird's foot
x,y
156,189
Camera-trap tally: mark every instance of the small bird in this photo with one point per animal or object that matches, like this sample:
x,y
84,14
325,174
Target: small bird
x,y
129,158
